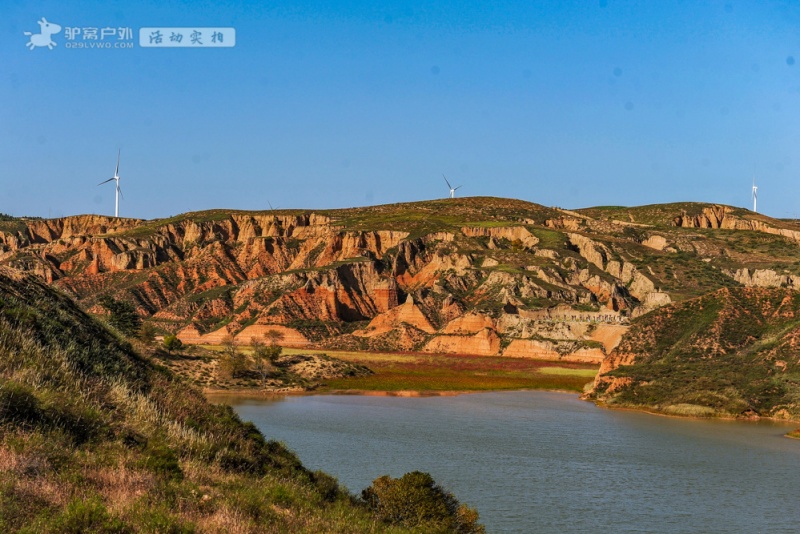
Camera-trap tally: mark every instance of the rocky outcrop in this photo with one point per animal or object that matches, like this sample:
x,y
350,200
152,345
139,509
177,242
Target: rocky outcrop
x,y
657,242
722,217
611,384
764,278
565,223
548,350
351,292
419,263
609,335
515,234
483,343
595,253
469,323
409,314
633,282
288,337
341,246
652,301
39,231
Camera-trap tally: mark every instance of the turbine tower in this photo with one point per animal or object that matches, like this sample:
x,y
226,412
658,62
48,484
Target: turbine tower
x,y
119,191
755,195
452,189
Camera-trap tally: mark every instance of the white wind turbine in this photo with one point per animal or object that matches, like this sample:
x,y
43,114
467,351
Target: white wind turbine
x,y
452,189
119,191
755,195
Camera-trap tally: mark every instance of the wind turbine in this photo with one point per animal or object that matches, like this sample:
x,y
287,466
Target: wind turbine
x,y
452,189
755,195
119,191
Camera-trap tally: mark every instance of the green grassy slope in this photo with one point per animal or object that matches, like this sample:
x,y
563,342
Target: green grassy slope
x,y
94,438
733,352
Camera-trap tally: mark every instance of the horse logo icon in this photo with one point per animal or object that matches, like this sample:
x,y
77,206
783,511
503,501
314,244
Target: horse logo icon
x,y
43,38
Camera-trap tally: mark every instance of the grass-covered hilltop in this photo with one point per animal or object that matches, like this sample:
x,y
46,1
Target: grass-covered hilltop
x,y
631,288
95,437
732,352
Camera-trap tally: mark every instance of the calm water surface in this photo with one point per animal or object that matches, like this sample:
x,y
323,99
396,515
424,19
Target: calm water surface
x,y
548,462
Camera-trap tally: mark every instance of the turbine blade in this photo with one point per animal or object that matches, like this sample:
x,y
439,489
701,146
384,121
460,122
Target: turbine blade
x,y
445,181
459,187
101,183
119,190
116,172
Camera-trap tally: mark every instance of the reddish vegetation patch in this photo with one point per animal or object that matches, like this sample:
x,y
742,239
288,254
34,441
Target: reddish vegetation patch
x,y
421,372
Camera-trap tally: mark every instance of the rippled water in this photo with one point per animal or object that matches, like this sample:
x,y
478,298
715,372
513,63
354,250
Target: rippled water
x,y
548,462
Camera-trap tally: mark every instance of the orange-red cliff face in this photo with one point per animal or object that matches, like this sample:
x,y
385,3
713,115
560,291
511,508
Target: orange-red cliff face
x,y
470,287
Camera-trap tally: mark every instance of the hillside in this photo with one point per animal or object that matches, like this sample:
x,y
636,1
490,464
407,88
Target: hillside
x,y
95,438
732,352
483,276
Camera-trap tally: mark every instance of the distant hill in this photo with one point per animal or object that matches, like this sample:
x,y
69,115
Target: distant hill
x,y
731,352
480,275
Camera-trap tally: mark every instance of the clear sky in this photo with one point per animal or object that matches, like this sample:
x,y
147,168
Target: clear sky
x,y
337,104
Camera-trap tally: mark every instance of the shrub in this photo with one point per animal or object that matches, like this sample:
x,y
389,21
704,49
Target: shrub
x,y
327,486
123,315
232,363
416,501
162,460
18,404
171,342
147,333
265,358
88,515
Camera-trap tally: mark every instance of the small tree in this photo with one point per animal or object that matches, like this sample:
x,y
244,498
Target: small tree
x,y
122,315
171,342
147,333
274,337
416,501
232,362
264,358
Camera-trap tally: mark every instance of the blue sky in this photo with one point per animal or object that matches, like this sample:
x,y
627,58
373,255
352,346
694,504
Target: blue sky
x,y
339,104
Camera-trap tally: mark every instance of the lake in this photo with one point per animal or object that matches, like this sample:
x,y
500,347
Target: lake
x,y
548,462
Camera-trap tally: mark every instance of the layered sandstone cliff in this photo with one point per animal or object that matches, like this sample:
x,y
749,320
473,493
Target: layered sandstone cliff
x,y
481,276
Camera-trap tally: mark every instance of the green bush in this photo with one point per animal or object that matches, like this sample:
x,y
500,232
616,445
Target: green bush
x,y
162,460
171,342
18,404
327,486
232,362
122,316
150,519
82,516
416,501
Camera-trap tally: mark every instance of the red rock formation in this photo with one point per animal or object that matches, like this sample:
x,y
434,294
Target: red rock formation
x,y
545,350
408,314
469,323
289,336
483,343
